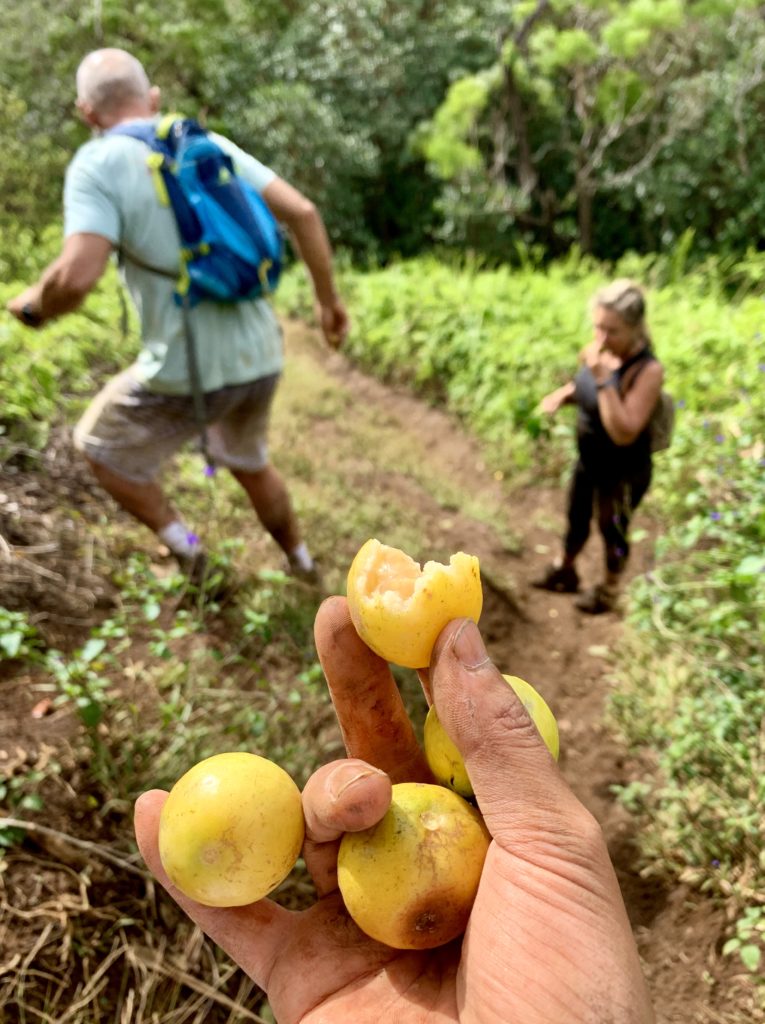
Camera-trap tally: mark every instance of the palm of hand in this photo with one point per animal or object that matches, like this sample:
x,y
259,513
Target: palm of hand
x,y
548,913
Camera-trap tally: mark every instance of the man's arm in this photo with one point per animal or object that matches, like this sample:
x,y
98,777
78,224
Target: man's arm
x,y
65,283
309,236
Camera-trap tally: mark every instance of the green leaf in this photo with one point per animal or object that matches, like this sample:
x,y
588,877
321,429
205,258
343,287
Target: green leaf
x,y
750,566
751,956
92,649
11,642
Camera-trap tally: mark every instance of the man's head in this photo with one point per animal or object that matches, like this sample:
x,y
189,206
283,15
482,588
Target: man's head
x,y
112,86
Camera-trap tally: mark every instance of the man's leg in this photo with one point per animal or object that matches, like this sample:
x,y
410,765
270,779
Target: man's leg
x,y
270,499
145,501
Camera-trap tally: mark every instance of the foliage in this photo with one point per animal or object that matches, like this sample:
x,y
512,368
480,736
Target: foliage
x,y
610,126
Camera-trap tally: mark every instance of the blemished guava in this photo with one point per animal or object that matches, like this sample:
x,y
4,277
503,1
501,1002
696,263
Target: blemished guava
x,y
445,761
399,608
231,829
411,880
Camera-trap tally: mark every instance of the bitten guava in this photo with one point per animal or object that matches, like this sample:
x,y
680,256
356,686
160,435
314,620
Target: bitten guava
x,y
399,609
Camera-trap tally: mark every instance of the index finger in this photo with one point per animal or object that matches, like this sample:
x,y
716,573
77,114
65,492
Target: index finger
x,y
372,717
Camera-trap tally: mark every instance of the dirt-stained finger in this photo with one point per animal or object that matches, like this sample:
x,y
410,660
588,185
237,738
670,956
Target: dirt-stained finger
x,y
368,705
343,796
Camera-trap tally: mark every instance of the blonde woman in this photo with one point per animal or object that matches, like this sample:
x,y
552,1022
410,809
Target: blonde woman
x,y
616,392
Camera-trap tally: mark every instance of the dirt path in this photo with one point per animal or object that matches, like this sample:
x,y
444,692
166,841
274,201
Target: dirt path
x,y
568,656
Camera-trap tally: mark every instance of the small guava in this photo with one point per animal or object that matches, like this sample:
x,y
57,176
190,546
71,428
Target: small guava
x,y
445,760
399,609
410,881
231,829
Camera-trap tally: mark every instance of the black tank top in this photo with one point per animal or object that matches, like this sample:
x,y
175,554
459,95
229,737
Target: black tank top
x,y
598,452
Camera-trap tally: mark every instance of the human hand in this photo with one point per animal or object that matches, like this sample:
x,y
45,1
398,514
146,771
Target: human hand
x,y
334,321
551,403
548,940
600,361
20,307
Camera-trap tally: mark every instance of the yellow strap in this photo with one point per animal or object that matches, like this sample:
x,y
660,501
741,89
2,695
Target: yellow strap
x,y
155,161
164,126
184,281
263,269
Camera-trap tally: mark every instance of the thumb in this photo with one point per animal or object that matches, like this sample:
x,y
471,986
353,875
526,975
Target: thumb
x,y
520,791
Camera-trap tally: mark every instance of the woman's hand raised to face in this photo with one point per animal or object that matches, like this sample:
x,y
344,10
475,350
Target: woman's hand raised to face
x,y
548,940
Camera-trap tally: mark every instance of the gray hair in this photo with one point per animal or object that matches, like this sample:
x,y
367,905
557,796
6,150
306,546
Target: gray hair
x,y
110,79
627,299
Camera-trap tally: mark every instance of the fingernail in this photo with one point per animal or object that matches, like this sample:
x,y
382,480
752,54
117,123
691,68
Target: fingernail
x,y
468,646
345,776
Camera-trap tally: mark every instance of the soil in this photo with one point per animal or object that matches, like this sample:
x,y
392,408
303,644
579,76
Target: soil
x,y
530,633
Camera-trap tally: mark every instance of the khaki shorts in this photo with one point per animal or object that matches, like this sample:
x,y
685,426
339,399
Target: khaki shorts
x,y
132,430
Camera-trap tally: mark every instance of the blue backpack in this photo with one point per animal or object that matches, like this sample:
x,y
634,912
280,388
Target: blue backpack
x,y
231,244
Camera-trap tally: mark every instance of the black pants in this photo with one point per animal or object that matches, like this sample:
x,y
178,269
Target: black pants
x,y
615,500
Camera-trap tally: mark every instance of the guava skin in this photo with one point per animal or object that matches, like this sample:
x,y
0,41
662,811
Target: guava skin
x,y
411,880
231,829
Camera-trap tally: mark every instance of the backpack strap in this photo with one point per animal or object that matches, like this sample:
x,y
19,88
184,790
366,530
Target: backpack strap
x,y
630,370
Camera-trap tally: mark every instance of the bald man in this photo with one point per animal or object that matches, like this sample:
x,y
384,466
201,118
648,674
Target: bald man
x,y
142,416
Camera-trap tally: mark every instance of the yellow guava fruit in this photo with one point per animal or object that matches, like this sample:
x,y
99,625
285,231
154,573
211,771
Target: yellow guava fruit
x,y
399,609
445,760
410,881
231,829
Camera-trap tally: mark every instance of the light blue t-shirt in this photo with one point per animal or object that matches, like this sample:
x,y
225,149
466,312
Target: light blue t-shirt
x,y
109,191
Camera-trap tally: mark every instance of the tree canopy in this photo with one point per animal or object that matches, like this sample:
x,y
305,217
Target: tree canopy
x,y
545,123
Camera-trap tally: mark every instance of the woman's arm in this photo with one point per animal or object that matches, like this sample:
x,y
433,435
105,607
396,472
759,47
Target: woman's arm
x,y
561,396
626,417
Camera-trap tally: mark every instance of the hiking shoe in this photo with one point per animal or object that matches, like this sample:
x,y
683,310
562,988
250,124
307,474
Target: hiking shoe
x,y
560,579
596,600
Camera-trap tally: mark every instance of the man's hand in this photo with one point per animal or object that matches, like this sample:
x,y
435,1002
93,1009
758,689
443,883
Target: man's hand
x,y
548,940
334,322
26,307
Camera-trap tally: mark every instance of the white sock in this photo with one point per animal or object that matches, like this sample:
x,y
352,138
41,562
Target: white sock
x,y
301,558
178,538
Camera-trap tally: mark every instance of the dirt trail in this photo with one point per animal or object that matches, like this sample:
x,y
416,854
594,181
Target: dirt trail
x,y
568,656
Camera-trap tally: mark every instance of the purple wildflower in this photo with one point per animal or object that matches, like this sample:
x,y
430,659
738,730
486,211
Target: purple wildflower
x,y
680,403
719,438
209,470
192,538
715,516
715,863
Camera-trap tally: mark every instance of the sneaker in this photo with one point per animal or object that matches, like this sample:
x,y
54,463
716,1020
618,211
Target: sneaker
x,y
559,579
596,600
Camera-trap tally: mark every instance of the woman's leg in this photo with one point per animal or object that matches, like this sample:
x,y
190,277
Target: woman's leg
x,y
617,501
